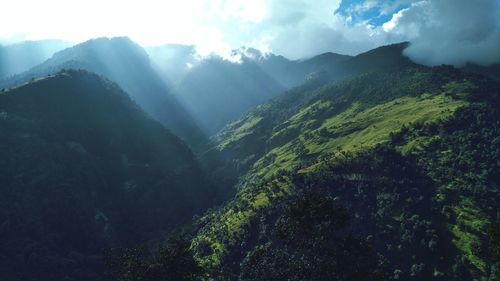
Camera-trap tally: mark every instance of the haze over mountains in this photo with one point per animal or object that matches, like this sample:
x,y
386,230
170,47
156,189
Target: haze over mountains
x,y
333,167
253,78
125,62
175,77
20,57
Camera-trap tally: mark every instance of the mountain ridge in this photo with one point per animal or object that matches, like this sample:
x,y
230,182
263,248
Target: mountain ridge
x,y
85,169
126,63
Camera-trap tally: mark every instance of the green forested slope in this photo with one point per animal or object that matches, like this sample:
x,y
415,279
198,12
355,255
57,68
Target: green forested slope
x,y
358,112
412,155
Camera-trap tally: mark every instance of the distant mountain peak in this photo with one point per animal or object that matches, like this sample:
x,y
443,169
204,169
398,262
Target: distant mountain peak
x,y
396,48
126,63
18,57
252,53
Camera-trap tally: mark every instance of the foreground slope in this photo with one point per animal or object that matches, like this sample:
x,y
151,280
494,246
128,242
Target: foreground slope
x,y
83,168
411,153
126,63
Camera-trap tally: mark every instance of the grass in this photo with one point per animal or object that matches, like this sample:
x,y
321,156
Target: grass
x,y
469,224
315,130
282,157
354,129
231,223
242,131
468,243
365,129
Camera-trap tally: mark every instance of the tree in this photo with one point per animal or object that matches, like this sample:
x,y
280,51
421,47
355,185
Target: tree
x,y
310,242
173,262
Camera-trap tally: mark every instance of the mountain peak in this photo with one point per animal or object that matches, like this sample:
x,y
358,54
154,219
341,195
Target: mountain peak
x,y
126,63
395,49
81,157
104,46
330,57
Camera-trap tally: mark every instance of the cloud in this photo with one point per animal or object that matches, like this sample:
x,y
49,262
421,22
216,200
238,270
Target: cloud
x,y
295,28
440,31
449,31
301,28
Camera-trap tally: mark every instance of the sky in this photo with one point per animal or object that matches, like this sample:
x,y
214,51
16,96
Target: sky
x,y
440,31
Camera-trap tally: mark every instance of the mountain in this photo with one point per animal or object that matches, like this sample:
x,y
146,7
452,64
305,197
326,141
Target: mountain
x,y
216,91
237,141
390,174
252,77
330,66
205,85
126,63
83,169
294,73
19,57
366,167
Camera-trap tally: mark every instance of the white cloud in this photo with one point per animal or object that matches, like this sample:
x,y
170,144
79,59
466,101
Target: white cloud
x,y
449,31
390,25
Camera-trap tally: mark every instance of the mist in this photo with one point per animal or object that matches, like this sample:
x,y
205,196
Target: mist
x,y
16,58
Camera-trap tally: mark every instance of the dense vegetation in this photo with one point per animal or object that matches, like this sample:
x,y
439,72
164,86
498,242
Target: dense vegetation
x,y
411,154
84,169
352,114
372,168
173,261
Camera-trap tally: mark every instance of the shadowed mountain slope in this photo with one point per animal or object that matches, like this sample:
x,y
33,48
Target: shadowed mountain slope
x,y
83,168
